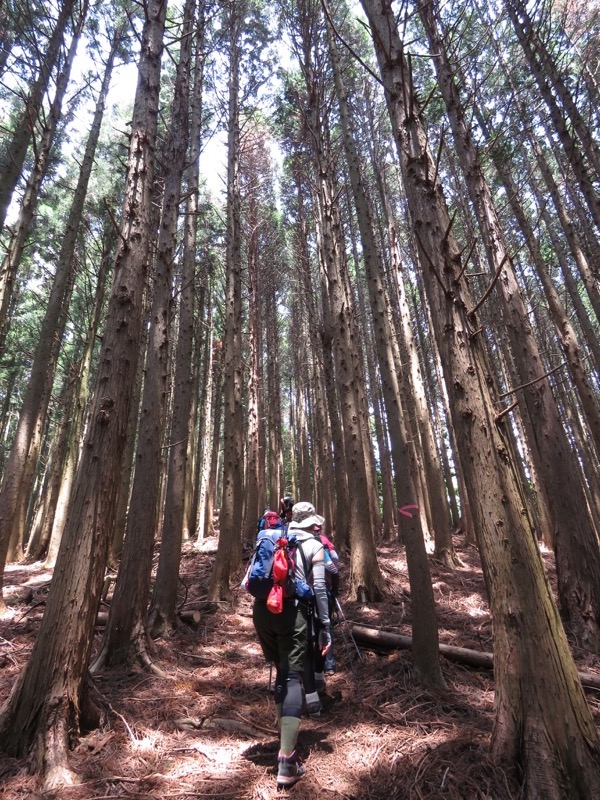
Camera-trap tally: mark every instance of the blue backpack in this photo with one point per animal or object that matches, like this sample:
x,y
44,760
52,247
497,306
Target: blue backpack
x,y
259,580
259,577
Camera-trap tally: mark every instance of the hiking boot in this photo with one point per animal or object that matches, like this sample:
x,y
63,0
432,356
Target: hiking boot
x,y
319,682
314,709
289,770
313,704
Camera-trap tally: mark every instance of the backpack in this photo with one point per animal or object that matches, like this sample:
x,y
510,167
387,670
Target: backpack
x,y
270,519
271,574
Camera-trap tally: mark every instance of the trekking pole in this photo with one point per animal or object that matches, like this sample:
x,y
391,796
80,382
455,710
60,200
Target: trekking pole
x,y
345,622
352,670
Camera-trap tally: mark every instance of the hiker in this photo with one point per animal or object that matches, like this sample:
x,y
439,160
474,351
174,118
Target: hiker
x,y
283,637
332,580
285,509
317,664
270,519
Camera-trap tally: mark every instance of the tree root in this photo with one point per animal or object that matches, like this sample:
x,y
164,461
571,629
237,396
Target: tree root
x,y
141,647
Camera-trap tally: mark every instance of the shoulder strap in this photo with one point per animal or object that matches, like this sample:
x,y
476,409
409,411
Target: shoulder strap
x,y
304,562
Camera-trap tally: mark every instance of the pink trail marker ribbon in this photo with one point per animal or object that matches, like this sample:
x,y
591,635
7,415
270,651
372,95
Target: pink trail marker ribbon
x,y
406,510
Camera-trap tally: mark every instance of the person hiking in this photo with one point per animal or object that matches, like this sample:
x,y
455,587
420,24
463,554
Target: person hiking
x,y
283,637
317,664
269,520
332,580
285,509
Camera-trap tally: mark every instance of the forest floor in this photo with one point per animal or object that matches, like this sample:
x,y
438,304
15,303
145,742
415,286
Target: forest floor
x,y
209,730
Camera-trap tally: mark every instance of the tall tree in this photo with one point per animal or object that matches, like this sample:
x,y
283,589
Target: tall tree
x,y
126,628
37,396
425,634
41,164
44,707
546,727
13,156
180,464
337,302
230,515
550,82
164,596
578,555
251,179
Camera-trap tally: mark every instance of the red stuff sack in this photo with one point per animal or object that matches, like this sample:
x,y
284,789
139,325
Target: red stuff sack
x,y
281,561
275,599
283,575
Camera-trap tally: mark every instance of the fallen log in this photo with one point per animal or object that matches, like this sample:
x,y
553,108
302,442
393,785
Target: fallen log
x,y
189,616
385,640
18,595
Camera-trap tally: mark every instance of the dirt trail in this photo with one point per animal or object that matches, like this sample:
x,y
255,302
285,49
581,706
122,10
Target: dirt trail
x,y
210,731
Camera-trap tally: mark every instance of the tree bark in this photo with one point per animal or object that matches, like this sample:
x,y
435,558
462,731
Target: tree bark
x,y
164,598
69,466
230,514
546,727
575,539
425,629
126,630
252,508
44,705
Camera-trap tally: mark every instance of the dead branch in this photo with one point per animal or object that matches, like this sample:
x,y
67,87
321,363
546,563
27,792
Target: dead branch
x,y
204,723
535,380
488,291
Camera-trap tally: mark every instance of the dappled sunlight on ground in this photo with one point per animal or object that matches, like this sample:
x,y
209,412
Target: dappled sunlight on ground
x,y
209,731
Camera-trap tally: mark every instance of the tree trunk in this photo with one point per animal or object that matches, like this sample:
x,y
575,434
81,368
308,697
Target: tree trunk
x,y
69,467
566,333
436,512
37,396
530,44
204,449
276,465
12,260
212,457
552,84
142,521
326,428
164,597
425,627
544,726
44,705
41,527
366,581
591,281
576,544
299,333
230,515
252,508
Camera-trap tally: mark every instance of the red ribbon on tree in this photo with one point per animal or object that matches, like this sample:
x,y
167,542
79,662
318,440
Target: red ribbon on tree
x,y
406,510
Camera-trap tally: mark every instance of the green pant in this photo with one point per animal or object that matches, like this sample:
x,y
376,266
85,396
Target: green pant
x,y
283,637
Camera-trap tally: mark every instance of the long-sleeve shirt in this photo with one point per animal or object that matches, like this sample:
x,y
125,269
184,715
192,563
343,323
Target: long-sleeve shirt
x,y
311,547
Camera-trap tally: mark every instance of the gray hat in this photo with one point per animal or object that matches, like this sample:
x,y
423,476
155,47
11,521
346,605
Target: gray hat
x,y
304,516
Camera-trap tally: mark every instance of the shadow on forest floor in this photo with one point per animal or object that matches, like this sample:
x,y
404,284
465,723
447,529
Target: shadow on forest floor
x,y
210,731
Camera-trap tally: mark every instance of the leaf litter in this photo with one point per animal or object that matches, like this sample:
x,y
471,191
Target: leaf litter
x,y
210,731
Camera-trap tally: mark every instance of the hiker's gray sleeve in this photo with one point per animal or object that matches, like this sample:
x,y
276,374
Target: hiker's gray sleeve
x,y
321,592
